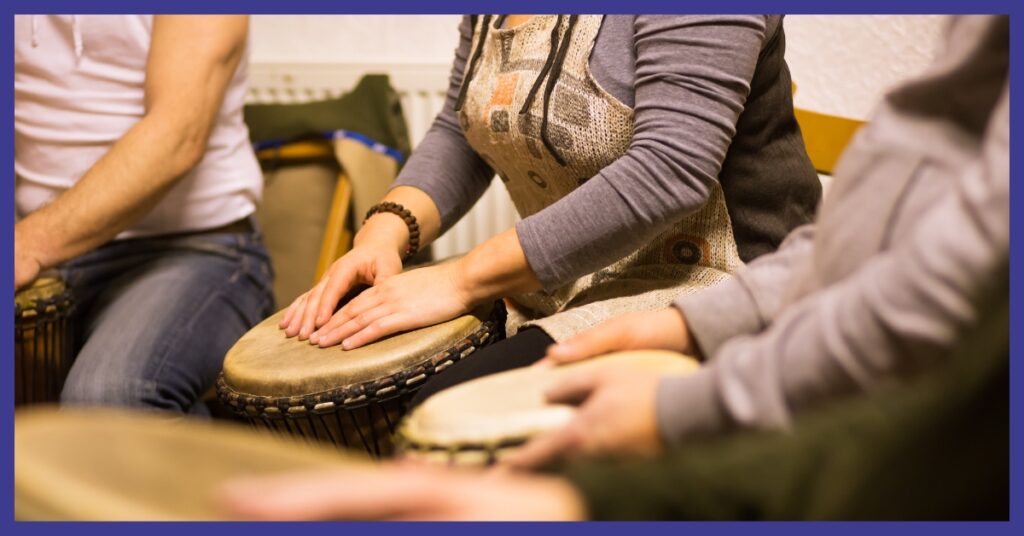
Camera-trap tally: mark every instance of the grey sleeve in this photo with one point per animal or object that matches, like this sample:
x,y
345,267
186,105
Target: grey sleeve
x,y
444,166
693,76
899,314
751,299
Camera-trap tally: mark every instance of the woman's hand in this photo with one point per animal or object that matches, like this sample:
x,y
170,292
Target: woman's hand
x,y
414,299
664,329
375,256
402,491
368,265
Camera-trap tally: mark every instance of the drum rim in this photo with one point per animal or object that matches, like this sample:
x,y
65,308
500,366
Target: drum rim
x,y
360,394
490,448
60,301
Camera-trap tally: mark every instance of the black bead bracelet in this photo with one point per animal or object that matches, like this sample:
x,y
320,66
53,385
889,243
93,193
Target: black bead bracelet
x,y
407,217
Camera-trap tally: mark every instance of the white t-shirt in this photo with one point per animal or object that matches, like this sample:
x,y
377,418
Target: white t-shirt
x,y
79,86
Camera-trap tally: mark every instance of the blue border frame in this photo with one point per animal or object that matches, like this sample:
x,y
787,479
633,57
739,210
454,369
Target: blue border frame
x,y
1013,7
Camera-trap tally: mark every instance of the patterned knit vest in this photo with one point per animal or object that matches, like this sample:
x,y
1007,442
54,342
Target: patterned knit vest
x,y
586,129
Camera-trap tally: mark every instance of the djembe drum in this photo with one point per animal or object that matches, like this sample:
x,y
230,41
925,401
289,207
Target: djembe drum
x,y
113,465
352,398
478,422
42,341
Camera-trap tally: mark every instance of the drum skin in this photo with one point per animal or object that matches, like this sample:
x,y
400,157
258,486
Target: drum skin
x,y
481,420
42,341
266,363
98,464
352,398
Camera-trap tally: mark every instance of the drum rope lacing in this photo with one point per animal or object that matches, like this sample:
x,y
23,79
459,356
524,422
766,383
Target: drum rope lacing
x,y
361,394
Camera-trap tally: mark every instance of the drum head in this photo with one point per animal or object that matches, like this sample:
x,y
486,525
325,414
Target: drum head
x,y
266,363
41,290
112,465
507,408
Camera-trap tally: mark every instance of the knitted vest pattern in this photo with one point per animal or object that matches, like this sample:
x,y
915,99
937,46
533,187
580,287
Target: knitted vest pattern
x,y
565,134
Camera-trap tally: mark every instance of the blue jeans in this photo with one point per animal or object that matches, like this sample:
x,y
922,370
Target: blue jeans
x,y
155,316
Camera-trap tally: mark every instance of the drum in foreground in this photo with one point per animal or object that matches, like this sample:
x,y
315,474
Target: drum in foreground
x,y
42,341
480,421
351,398
113,465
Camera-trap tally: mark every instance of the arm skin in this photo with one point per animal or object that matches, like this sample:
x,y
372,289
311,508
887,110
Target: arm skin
x,y
191,61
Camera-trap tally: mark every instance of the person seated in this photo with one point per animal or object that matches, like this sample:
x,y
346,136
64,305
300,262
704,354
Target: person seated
x,y
135,180
895,302
648,156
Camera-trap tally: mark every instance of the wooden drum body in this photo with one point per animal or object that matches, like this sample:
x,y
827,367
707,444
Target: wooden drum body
x,y
476,423
82,464
42,341
352,398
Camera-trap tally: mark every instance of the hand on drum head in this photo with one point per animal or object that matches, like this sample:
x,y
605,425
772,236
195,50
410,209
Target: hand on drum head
x,y
664,329
616,415
405,492
362,265
410,300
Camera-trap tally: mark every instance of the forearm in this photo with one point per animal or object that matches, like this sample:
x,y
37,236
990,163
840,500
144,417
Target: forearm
x,y
191,60
497,268
119,189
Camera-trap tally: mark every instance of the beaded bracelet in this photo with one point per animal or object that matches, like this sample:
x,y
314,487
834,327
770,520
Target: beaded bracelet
x,y
407,217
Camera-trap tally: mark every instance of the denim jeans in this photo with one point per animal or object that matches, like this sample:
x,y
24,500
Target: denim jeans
x,y
155,316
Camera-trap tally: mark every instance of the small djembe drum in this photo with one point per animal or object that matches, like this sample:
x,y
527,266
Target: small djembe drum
x,y
478,422
109,465
352,398
42,341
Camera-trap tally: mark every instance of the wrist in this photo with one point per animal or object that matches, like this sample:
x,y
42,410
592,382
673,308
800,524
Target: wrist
x,y
383,230
468,281
31,245
411,224
680,339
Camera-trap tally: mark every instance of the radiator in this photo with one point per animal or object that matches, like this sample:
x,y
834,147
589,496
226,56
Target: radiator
x,y
422,90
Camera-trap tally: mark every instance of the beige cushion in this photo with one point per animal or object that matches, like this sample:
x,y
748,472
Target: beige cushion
x,y
371,174
293,215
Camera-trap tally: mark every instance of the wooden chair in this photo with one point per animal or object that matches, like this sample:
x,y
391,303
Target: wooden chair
x,y
825,136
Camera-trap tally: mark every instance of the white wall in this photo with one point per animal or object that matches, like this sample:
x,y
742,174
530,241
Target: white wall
x,y
354,38
841,64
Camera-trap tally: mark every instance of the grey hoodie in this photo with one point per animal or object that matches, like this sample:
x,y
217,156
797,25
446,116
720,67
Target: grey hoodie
x,y
908,244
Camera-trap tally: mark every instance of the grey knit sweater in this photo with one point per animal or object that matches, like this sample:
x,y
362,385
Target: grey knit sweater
x,y
909,245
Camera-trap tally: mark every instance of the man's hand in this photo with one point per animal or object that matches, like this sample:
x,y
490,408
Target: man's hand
x,y
664,329
616,415
404,492
26,266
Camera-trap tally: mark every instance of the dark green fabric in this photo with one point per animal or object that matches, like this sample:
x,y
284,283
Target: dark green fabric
x,y
934,448
372,109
